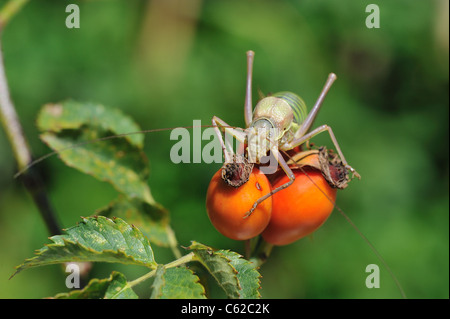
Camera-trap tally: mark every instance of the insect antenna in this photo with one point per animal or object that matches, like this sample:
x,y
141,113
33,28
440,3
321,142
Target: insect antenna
x,y
40,159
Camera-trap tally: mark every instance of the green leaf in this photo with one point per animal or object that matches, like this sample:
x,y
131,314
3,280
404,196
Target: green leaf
x,y
247,275
152,220
114,287
176,283
220,267
96,239
73,115
80,133
119,163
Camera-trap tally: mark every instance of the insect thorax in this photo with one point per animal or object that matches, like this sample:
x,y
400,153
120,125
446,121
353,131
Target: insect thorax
x,y
296,103
284,111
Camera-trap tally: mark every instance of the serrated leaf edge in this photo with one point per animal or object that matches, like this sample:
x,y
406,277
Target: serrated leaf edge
x,y
66,241
96,123
90,283
147,196
199,246
247,262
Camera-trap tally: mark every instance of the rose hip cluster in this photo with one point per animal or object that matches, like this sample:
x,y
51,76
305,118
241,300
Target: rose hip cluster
x,y
286,216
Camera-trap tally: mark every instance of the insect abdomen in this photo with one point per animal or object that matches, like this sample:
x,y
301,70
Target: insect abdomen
x,y
296,103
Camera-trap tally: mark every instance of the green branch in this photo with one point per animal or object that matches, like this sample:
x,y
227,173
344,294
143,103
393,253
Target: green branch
x,y
19,145
261,252
180,261
10,121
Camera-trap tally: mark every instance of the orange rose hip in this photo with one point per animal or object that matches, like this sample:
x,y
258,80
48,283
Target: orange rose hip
x,y
301,208
227,205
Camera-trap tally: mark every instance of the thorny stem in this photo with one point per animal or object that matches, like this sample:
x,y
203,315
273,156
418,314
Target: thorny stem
x,y
180,261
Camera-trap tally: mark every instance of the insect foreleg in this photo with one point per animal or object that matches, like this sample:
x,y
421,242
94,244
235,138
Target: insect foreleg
x,y
226,145
320,129
288,172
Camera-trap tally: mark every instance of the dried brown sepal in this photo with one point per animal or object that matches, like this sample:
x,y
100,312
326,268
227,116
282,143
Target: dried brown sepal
x,y
237,172
327,162
332,168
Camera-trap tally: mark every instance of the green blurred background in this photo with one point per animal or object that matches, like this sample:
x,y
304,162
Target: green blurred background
x,y
167,63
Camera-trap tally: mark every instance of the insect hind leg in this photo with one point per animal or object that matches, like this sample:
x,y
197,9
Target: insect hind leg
x,y
320,129
288,172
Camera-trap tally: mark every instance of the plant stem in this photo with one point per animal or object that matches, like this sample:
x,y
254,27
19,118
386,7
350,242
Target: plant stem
x,y
182,260
22,153
142,278
248,248
262,252
9,10
10,121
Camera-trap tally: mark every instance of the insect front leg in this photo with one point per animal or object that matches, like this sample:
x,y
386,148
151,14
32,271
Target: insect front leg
x,y
300,140
226,145
288,172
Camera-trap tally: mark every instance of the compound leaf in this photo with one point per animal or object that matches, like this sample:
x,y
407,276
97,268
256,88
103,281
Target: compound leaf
x,y
81,134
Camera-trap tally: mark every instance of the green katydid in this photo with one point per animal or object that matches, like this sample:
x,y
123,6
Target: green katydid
x,y
278,122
